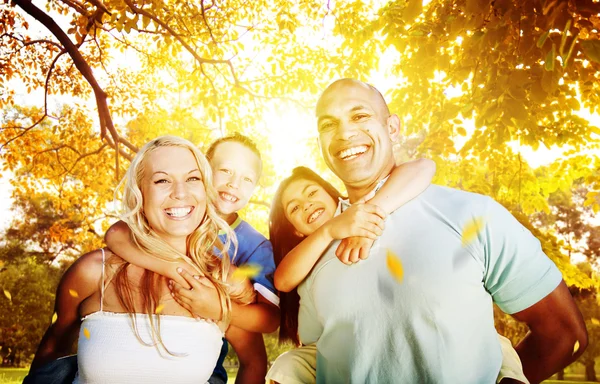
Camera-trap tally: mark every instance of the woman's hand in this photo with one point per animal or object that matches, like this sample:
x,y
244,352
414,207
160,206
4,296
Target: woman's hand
x,y
360,220
202,299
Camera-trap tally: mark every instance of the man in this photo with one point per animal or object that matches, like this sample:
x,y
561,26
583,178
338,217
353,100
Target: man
x,y
419,309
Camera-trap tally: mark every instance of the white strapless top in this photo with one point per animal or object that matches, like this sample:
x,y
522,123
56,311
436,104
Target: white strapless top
x,y
110,353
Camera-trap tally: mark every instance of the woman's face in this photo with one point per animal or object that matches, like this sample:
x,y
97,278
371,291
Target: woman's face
x,y
174,195
307,205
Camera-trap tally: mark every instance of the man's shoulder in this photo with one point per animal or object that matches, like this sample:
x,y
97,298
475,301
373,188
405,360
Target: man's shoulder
x,y
441,196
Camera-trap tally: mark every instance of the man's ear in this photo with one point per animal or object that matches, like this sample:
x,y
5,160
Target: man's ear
x,y
298,233
394,125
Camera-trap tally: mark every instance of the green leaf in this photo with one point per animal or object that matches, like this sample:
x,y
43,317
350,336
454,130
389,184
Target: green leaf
x,y
591,48
542,39
550,58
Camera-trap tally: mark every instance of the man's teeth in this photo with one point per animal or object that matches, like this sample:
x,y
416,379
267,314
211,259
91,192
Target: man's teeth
x,y
352,152
228,197
178,212
315,215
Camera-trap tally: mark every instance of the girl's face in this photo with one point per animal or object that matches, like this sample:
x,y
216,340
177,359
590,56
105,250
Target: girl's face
x,y
307,206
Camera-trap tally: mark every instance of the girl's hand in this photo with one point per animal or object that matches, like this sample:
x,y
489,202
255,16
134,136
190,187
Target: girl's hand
x,y
352,249
361,220
202,299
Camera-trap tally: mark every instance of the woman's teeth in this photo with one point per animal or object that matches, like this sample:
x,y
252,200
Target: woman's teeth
x,y
178,212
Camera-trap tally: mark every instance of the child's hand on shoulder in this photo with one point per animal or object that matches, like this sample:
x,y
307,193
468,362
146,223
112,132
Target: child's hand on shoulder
x,y
360,219
352,249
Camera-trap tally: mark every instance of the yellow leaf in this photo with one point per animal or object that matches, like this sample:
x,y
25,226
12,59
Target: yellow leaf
x,y
576,347
246,271
595,321
471,230
159,309
8,295
86,333
54,318
395,266
73,293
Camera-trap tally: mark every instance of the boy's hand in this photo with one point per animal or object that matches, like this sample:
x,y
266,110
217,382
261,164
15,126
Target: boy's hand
x,y
352,249
364,220
178,278
202,299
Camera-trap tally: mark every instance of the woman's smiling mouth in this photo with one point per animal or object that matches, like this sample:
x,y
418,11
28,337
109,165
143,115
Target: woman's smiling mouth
x,y
179,212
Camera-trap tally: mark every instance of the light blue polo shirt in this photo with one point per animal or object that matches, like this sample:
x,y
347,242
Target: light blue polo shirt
x,y
435,324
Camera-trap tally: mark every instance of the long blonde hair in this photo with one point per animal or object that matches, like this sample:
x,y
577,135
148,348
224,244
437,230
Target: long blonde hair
x,y
201,243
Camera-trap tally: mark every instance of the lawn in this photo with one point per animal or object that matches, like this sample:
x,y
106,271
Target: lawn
x,y
16,375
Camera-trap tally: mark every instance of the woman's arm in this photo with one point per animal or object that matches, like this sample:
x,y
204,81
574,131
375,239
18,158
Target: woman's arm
x,y
358,220
80,281
118,239
203,300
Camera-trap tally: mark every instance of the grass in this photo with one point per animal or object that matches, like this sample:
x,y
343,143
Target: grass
x,y
16,375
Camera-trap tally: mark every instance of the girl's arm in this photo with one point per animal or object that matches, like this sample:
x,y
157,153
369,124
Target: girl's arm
x,y
118,239
359,220
78,283
405,183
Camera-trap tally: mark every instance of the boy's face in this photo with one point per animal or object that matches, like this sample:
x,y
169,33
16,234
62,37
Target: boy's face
x,y
236,170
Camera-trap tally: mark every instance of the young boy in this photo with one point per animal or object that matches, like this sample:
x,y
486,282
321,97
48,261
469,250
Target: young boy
x,y
236,164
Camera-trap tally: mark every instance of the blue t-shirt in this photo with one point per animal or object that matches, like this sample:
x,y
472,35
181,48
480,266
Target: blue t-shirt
x,y
420,308
253,248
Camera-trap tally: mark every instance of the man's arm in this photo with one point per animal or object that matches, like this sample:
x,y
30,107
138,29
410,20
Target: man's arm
x,y
79,282
557,335
250,349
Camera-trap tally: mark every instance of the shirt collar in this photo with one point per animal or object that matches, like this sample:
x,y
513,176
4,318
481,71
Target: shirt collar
x,y
344,204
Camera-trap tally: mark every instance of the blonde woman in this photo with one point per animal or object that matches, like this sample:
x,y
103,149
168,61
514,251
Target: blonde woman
x,y
129,326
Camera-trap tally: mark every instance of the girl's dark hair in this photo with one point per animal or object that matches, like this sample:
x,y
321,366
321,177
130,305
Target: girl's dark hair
x,y
283,237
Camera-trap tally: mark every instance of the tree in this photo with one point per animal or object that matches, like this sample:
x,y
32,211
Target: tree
x,y
26,307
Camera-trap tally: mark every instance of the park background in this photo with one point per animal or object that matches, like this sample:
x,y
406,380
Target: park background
x,y
504,95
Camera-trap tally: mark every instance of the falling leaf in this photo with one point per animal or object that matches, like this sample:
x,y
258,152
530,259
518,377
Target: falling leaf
x,y
54,318
86,333
595,321
159,309
73,293
395,266
8,295
576,347
246,271
471,230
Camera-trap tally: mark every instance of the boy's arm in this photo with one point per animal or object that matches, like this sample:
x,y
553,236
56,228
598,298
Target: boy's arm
x,y
406,182
118,239
203,300
78,283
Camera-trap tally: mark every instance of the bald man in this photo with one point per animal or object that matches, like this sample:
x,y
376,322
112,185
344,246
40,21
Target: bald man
x,y
434,323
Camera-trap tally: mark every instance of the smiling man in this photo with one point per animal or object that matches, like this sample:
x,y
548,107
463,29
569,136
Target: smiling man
x,y
433,322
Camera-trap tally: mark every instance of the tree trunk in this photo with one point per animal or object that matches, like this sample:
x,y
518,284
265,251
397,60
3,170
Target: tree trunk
x,y
560,375
590,370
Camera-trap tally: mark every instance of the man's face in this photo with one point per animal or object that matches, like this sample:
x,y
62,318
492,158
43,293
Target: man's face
x,y
356,133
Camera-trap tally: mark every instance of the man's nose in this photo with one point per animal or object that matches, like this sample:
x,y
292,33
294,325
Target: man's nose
x,y
346,130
